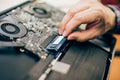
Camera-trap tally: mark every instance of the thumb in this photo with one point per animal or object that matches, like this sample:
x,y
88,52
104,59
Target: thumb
x,y
84,35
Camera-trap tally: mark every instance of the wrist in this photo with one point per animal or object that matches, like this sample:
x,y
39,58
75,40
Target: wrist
x,y
109,18
116,11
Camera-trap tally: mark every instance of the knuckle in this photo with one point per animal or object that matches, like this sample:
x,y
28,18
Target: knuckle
x,y
77,17
99,10
61,26
71,11
68,28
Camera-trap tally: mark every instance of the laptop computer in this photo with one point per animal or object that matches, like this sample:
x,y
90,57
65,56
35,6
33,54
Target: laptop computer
x,y
29,28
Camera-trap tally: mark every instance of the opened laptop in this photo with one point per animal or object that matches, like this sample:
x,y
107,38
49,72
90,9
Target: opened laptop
x,y
31,48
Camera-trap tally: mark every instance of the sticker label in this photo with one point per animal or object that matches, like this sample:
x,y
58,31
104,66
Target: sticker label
x,y
57,41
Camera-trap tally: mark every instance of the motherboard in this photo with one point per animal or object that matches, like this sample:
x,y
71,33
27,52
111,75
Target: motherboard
x,y
29,26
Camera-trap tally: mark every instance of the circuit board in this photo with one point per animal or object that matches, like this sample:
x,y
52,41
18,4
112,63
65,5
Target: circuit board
x,y
29,26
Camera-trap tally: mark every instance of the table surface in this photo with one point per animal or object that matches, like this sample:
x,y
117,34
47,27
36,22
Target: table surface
x,y
115,69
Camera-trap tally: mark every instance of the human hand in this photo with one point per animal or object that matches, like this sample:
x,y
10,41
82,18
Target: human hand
x,y
98,17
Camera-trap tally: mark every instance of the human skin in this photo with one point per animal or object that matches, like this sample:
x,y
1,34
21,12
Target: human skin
x,y
98,17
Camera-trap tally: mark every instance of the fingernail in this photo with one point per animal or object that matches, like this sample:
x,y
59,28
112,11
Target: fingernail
x,y
65,33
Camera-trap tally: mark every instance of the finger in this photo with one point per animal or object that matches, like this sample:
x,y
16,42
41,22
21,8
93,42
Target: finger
x,y
84,35
87,16
66,18
75,9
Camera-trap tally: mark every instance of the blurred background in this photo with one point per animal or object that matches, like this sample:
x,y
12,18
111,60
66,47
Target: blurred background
x,y
64,5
